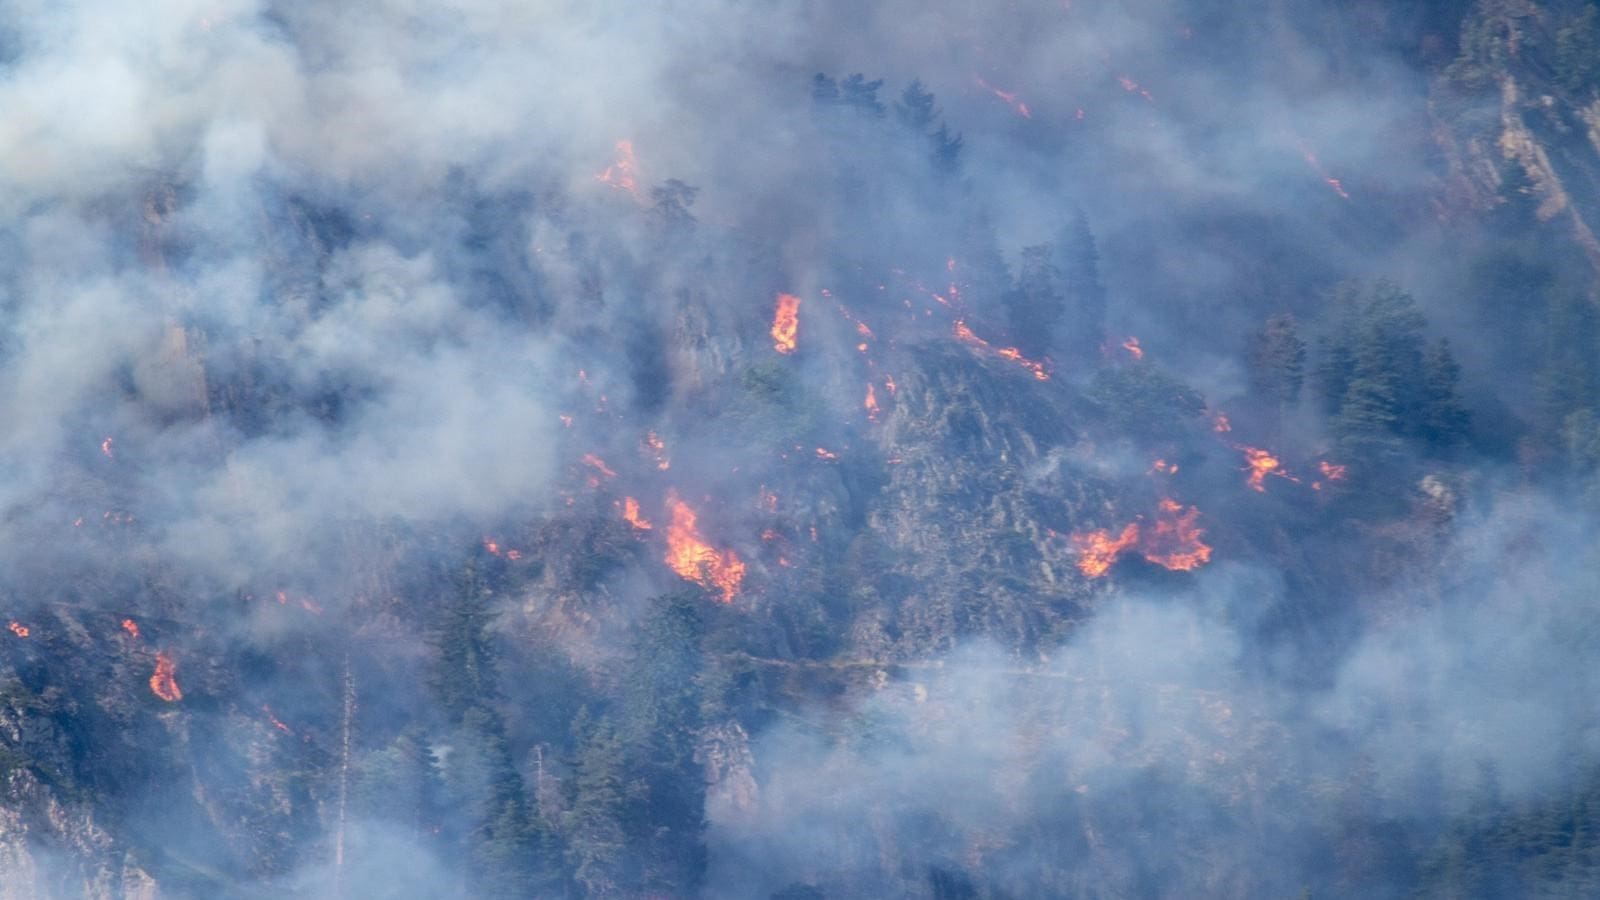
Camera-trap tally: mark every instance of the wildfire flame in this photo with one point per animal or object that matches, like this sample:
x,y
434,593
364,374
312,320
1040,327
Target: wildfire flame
x,y
871,404
1316,166
1098,550
1010,98
1132,346
657,448
1220,424
276,723
1331,471
1173,542
1132,87
622,174
598,464
163,683
18,629
825,454
965,335
694,560
1261,463
630,514
1164,467
105,447
786,323
131,627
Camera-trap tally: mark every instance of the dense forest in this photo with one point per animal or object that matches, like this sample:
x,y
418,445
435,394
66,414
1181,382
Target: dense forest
x,y
1139,448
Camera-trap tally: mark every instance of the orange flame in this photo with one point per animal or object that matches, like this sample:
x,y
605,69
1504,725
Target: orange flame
x,y
657,448
274,720
1331,471
826,454
871,404
888,384
18,629
964,334
131,627
1132,346
1220,424
1175,541
1261,463
1164,467
1010,98
1316,166
105,447
163,683
1098,549
622,174
599,465
786,323
694,560
630,514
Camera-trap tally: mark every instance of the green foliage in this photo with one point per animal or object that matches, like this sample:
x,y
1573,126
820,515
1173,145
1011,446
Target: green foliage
x,y
1037,303
1079,264
1143,401
1275,359
1577,51
592,823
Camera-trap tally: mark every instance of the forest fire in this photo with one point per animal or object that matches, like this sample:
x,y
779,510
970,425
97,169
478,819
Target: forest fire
x,y
164,682
598,464
622,174
826,455
1220,424
1134,350
131,627
1163,467
694,560
1010,98
1174,542
1331,471
630,514
786,323
276,722
18,629
105,447
657,449
1261,463
1098,550
870,404
1316,166
965,335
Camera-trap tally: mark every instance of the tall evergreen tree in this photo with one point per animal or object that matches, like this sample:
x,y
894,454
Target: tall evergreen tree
x,y
1036,303
1079,263
1275,359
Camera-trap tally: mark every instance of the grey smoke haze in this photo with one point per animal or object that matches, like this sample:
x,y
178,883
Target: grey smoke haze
x,y
385,218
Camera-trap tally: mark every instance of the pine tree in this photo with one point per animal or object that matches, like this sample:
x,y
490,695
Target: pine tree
x,y
1036,303
915,108
592,824
1275,358
1444,420
1079,263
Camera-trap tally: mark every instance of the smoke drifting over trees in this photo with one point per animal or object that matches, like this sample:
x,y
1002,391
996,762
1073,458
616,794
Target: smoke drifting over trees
x,y
799,450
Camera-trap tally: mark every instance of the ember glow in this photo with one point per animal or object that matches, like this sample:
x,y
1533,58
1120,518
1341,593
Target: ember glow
x,y
657,449
1331,471
622,174
630,514
1174,541
965,335
824,453
276,723
131,627
786,323
1098,550
1010,98
18,629
105,447
164,683
1132,346
1316,166
1164,467
1220,424
870,404
693,559
598,464
1261,463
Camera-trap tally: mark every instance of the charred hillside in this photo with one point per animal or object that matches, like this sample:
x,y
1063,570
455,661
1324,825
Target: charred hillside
x,y
1148,449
